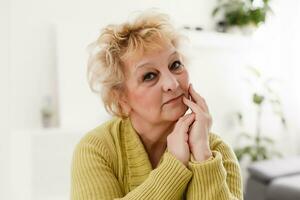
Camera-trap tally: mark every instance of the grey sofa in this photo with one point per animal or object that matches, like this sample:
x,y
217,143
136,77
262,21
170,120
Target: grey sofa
x,y
274,180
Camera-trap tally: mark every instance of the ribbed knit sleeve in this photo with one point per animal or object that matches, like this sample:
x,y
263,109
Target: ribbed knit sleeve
x,y
217,178
93,177
168,181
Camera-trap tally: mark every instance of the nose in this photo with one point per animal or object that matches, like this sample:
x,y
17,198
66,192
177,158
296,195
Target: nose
x,y
169,82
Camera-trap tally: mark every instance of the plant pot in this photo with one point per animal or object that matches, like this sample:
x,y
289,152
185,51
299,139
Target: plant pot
x,y
47,122
249,29
246,30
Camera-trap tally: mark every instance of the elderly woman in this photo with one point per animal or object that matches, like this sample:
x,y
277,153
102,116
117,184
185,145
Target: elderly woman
x,y
152,148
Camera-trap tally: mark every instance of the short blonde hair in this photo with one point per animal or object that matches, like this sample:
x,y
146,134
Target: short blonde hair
x,y
105,72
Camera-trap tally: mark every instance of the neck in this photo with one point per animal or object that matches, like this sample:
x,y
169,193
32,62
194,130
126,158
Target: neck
x,y
153,135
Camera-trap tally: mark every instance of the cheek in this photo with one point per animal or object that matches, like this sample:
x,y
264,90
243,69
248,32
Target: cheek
x,y
145,98
184,81
138,98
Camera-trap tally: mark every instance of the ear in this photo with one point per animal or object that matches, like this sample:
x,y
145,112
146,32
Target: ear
x,y
123,101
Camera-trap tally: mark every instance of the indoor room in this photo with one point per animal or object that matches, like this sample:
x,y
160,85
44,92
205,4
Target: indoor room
x,y
241,57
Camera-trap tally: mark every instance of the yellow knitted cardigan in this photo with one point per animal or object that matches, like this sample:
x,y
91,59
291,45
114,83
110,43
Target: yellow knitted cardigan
x,y
110,162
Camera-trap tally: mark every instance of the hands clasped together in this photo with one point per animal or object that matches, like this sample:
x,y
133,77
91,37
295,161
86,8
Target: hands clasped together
x,y
190,134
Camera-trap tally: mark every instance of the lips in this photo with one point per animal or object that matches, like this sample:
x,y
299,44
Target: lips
x,y
173,99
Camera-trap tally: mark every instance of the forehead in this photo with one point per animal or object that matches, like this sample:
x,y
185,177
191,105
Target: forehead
x,y
152,56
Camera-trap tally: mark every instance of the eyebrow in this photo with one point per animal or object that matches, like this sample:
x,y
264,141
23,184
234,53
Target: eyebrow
x,y
144,64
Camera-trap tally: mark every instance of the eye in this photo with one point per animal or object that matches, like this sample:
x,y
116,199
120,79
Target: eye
x,y
177,65
149,76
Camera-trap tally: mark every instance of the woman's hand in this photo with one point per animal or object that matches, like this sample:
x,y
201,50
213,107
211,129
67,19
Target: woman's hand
x,y
198,135
177,141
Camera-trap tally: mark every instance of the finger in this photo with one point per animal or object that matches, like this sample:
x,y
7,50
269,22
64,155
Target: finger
x,y
195,96
201,105
183,118
198,99
195,107
185,122
189,118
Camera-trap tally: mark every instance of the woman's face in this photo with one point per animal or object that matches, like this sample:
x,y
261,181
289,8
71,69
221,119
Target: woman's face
x,y
155,85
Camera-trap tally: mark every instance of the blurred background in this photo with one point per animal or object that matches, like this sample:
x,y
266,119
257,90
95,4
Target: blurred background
x,y
244,60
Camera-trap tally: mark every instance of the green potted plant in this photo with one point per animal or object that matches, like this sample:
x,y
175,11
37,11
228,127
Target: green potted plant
x,y
247,15
257,146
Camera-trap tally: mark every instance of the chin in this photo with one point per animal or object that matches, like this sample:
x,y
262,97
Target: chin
x,y
175,114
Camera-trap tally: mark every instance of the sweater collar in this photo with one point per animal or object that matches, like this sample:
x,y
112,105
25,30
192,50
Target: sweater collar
x,y
139,165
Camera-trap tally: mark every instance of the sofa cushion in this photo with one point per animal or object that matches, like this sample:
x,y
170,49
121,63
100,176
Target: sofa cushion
x,y
271,169
287,188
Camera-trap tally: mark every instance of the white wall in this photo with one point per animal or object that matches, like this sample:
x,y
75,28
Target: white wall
x,y
290,65
39,47
33,44
4,100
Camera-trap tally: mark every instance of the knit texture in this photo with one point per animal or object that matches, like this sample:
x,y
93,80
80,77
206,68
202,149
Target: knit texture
x,y
110,162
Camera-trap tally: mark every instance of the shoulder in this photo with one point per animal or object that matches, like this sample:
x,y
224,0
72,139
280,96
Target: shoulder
x,y
102,140
109,130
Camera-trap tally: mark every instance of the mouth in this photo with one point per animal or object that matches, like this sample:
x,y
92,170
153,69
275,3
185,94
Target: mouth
x,y
174,99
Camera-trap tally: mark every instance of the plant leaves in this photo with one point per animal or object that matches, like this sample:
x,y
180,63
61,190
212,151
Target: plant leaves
x,y
258,99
